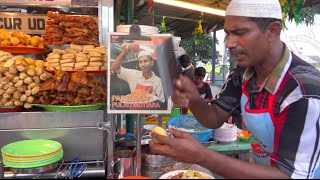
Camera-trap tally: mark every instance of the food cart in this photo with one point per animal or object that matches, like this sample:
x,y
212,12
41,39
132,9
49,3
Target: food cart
x,y
87,135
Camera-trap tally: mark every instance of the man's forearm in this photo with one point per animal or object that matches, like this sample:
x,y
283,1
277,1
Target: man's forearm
x,y
117,63
229,167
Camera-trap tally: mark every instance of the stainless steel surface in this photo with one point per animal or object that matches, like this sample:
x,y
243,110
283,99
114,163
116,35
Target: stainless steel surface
x,y
149,159
35,170
106,20
40,120
76,131
124,167
132,141
135,148
138,146
110,139
95,169
160,170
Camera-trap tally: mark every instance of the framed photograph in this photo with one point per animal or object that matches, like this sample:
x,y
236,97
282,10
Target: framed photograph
x,y
135,83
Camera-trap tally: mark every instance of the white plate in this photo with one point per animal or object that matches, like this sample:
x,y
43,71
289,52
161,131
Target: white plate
x,y
149,127
173,173
153,98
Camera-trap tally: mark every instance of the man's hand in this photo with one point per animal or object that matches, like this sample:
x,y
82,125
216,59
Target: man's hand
x,y
125,48
185,91
183,147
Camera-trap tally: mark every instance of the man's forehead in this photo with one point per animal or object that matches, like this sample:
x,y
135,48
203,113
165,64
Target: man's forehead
x,y
237,22
143,58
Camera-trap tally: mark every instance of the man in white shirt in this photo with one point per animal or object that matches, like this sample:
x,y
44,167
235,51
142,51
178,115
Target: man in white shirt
x,y
144,79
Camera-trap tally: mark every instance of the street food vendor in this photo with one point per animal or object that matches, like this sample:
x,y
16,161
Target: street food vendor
x,y
144,79
277,93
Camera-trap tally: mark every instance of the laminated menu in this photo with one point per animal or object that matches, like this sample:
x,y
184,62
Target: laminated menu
x,y
135,81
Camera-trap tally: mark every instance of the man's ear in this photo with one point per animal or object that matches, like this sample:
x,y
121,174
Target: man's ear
x,y
274,30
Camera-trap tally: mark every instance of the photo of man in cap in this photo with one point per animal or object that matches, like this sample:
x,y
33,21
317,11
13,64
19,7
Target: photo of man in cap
x,y
277,94
144,78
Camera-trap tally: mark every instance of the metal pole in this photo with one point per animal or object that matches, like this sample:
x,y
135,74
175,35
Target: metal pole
x,y
129,9
1,170
138,145
214,56
160,120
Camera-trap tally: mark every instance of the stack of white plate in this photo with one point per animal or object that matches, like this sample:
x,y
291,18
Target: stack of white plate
x,y
227,133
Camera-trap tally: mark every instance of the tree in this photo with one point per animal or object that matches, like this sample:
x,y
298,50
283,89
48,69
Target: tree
x,y
308,13
203,50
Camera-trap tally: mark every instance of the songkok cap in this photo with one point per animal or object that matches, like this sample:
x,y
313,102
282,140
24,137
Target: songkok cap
x,y
144,53
255,8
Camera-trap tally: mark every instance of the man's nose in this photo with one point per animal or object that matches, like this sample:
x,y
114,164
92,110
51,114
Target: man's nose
x,y
231,42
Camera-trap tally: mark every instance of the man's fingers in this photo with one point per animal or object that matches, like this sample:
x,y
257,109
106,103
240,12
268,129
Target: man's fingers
x,y
164,150
179,134
162,139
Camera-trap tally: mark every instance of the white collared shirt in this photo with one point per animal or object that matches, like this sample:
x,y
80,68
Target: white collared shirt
x,y
135,78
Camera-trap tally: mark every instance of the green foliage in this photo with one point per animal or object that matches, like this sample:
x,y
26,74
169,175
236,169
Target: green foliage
x,y
308,13
123,20
167,31
203,50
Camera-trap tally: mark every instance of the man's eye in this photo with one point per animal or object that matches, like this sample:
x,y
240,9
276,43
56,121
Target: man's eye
x,y
240,33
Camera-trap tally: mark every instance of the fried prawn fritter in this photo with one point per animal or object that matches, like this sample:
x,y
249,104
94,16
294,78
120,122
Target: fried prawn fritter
x,y
71,24
52,14
75,34
75,30
53,35
52,22
55,42
83,41
55,26
92,25
54,30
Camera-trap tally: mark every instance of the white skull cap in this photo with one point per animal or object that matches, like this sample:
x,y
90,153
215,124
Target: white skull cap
x,y
255,8
145,53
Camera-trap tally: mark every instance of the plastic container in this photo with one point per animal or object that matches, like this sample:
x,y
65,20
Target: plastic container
x,y
189,122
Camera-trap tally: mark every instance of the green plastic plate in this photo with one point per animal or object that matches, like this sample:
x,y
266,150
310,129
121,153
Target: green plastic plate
x,y
31,147
31,158
55,108
33,164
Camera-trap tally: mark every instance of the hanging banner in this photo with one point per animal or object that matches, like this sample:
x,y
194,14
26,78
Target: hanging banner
x,y
135,85
26,23
36,2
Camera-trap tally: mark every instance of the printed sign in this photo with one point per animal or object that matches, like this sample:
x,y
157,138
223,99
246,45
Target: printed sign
x,y
26,23
134,81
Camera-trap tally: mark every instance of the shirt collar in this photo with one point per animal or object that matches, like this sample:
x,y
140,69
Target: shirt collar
x,y
270,83
190,66
140,76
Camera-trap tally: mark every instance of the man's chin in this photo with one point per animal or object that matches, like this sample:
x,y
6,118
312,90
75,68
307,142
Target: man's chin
x,y
243,64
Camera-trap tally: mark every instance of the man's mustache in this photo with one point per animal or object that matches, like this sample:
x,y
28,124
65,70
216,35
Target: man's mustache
x,y
236,51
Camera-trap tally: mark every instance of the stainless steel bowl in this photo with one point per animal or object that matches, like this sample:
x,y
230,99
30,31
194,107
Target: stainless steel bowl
x,y
151,159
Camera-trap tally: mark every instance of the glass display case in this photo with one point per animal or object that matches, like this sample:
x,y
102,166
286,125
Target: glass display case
x,y
87,135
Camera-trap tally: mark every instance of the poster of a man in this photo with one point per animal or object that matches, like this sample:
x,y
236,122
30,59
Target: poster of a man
x,y
134,82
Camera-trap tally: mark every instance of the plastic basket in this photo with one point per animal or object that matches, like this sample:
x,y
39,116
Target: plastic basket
x,y
190,122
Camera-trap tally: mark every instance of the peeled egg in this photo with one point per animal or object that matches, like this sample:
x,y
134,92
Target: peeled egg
x,y
159,130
